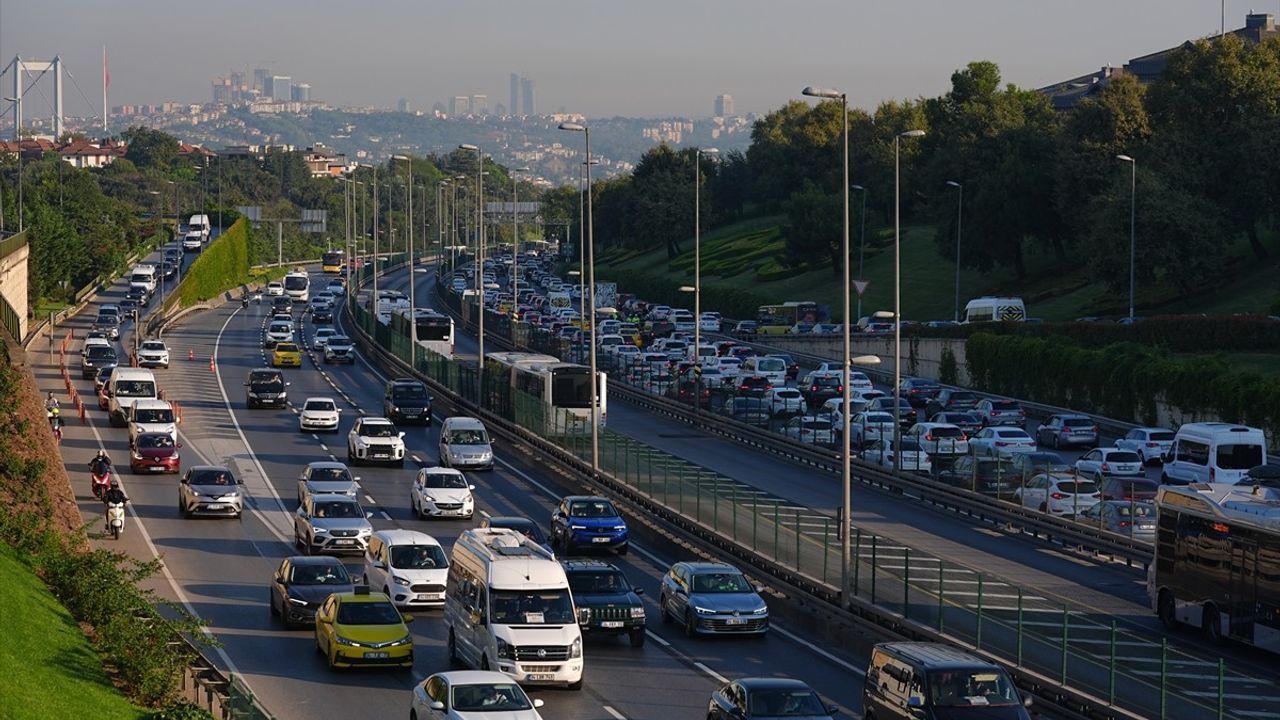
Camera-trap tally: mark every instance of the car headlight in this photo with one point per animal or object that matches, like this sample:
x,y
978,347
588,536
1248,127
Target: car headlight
x,y
620,528
298,601
760,611
429,498
505,651
704,611
319,530
344,641
575,649
137,456
577,527
637,611
406,640
366,531
400,581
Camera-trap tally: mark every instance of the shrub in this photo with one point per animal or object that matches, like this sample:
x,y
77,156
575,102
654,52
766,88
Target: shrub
x,y
223,265
181,710
948,369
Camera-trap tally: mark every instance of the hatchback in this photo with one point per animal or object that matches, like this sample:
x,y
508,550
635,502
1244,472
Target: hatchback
x,y
783,401
1002,442
1103,462
881,452
767,697
363,629
1057,493
301,583
1135,519
810,429
1060,431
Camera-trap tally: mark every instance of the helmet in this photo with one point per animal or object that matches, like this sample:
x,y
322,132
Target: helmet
x,y
115,483
54,411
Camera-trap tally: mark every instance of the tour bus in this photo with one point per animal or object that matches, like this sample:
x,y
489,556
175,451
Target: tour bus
x,y
562,391
508,607
388,302
333,261
434,330
995,309
297,286
1217,554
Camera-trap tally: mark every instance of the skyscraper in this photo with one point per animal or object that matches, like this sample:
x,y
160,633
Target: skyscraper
x,y
515,94
403,105
724,105
281,88
459,105
262,81
479,104
526,89
300,92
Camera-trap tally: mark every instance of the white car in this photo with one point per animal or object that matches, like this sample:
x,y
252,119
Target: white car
x,y
472,695
864,395
275,289
913,459
783,400
319,413
859,381
321,337
1103,462
1151,443
278,332
810,429
375,439
1058,493
709,322
938,438
442,492
1005,442
409,566
153,353
867,427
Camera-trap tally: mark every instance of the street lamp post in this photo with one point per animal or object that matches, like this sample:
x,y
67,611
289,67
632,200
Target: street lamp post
x,y
846,354
897,297
377,214
413,301
697,272
1133,214
479,264
862,242
959,219
515,250
591,300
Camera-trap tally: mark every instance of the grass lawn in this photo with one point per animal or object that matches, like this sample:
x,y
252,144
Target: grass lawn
x,y
48,666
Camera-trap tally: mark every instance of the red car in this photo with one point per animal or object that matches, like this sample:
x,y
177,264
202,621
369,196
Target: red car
x,y
155,452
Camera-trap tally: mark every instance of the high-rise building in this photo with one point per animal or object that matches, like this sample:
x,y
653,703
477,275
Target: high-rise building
x,y
515,94
262,81
238,88
500,110
459,106
222,91
300,92
479,104
403,105
526,90
724,105
281,88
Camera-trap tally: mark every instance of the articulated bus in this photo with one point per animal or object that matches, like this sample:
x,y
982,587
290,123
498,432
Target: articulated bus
x,y
1217,561
332,261
434,330
562,391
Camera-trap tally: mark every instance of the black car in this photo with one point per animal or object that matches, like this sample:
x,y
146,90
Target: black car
x,y
917,391
139,295
281,303
168,268
987,475
821,389
302,582
322,314
906,413
1027,464
754,386
95,358
265,387
607,602
951,399
769,697
750,410
406,400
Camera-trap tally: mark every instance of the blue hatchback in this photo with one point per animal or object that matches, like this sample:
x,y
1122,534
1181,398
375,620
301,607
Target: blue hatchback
x,y
583,521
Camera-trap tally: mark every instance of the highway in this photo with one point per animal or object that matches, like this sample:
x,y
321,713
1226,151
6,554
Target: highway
x,y
219,568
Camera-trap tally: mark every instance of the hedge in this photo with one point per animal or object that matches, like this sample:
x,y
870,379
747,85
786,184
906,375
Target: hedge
x,y
1122,381
1177,333
731,302
223,265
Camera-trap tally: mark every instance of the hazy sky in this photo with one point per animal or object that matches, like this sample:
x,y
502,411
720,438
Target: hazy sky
x,y
599,57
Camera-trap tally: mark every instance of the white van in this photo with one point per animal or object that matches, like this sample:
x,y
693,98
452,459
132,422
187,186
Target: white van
x,y
127,386
508,608
200,224
407,565
771,368
995,309
151,416
1213,452
144,275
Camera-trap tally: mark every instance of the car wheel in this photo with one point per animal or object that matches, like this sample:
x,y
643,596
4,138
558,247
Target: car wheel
x,y
637,638
690,629
1167,611
662,610
623,550
275,612
454,660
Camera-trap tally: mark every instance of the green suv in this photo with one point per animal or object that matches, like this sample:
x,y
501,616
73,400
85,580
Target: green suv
x,y
606,600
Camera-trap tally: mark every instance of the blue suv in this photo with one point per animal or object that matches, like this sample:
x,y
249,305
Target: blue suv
x,y
582,521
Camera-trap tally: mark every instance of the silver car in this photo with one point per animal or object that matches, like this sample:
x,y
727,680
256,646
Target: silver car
x,y
1133,519
210,490
331,524
319,478
712,598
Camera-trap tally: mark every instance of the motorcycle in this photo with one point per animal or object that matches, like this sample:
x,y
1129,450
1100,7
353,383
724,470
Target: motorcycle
x,y
244,301
115,519
101,480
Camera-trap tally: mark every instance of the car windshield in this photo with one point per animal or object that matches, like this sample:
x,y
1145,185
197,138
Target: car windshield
x,y
531,607
720,582
408,392
320,405
603,582
468,437
945,432
280,328
592,508
212,477
145,388
286,348
266,380
786,702
153,416
329,474
326,574
1004,405
154,440
418,557
338,509
368,613
99,351
1239,457
971,688
378,430
505,697
877,418
338,340
153,346
445,480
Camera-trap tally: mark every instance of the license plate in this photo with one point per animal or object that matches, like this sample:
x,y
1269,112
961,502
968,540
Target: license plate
x,y
376,655
534,677
736,621
156,468
344,542
431,596
611,624
600,539
380,456
213,506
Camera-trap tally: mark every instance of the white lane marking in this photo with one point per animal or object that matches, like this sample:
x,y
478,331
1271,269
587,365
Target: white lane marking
x,y
657,638
323,446
711,672
860,672
384,514
485,514
369,500
616,715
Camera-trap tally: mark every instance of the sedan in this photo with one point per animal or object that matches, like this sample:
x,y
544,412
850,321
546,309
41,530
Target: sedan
x,y
1104,462
712,598
1135,519
286,354
326,477
1060,431
301,583
1057,493
1002,442
768,697
881,453
319,413
1000,412
322,335
441,492
1150,443
155,452
810,429
472,695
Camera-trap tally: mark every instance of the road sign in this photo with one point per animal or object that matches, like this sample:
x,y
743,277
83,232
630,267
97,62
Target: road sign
x,y
860,286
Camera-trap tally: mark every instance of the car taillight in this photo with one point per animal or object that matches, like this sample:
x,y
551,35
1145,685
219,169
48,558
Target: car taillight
x,y
1151,444
1106,467
813,389
928,436
1057,496
1094,428
1124,523
994,413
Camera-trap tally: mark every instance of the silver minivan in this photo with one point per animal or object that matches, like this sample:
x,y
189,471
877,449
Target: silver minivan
x,y
464,443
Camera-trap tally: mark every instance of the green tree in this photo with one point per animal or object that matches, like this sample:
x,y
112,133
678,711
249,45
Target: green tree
x,y
149,148
813,231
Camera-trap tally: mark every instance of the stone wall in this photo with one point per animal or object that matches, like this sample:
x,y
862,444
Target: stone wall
x,y
13,279
921,357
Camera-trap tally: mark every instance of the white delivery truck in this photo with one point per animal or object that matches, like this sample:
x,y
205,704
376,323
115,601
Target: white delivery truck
x,y
508,608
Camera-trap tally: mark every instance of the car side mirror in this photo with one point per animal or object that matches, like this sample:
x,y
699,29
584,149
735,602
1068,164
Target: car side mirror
x,y
406,618
178,445
537,702
638,591
400,434
246,384
437,705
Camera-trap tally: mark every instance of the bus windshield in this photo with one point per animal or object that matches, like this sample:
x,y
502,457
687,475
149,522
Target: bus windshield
x,y
571,388
295,282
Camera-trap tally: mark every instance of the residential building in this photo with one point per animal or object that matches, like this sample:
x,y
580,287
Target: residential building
x,y
459,105
300,92
724,105
403,105
479,104
281,88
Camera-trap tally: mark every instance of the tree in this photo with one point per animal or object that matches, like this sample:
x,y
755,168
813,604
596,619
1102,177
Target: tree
x,y
151,149
813,232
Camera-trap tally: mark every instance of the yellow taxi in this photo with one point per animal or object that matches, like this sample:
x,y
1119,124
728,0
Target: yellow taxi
x,y
286,354
363,629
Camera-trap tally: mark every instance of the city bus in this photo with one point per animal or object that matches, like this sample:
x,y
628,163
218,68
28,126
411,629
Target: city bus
x,y
561,390
1217,561
434,330
297,285
778,319
388,302
332,261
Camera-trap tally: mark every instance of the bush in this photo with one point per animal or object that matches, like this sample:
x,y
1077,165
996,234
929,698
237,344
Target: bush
x,y
181,710
948,369
223,265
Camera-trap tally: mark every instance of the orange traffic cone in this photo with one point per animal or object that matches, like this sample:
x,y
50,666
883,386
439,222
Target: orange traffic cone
x,y
211,364
191,354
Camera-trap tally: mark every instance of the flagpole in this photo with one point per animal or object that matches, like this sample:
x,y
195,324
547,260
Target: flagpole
x,y
106,80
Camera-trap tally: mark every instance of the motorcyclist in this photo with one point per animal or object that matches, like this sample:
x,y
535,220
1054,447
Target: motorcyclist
x,y
100,464
114,494
51,404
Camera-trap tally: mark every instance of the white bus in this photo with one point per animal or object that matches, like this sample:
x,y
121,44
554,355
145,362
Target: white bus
x,y
995,309
1217,560
297,285
434,330
389,302
562,389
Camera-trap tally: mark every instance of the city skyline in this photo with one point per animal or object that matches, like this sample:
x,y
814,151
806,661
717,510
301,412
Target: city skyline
x,y
667,59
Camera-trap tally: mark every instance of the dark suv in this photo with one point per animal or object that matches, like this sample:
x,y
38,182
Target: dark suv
x,y
989,476
407,400
606,601
821,389
917,391
96,357
951,399
755,386
265,387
